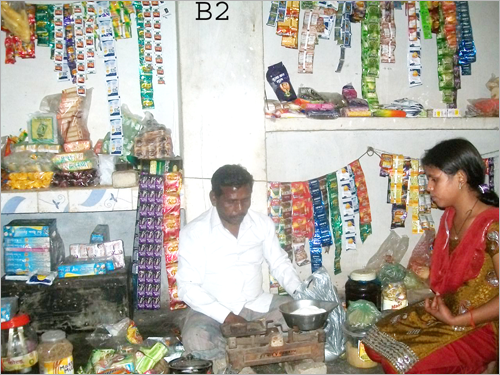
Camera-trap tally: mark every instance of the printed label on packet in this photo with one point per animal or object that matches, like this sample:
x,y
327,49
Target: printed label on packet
x,y
110,67
112,88
62,366
114,107
116,127
116,146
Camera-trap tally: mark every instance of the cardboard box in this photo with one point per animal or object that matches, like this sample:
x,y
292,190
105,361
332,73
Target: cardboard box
x,y
30,228
455,112
39,242
74,268
440,112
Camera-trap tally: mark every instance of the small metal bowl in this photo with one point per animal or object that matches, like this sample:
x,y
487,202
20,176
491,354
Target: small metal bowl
x,y
306,322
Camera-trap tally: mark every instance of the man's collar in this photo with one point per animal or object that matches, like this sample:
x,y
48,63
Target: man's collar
x,y
216,221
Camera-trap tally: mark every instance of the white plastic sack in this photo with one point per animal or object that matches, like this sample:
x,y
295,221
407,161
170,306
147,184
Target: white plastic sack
x,y
319,286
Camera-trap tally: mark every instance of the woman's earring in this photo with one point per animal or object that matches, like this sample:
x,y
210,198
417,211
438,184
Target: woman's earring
x,y
459,186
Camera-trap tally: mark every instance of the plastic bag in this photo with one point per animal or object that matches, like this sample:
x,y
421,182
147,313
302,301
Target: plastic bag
x,y
27,161
392,250
362,314
132,125
420,260
106,168
391,273
154,141
15,19
413,282
483,108
72,115
113,335
319,286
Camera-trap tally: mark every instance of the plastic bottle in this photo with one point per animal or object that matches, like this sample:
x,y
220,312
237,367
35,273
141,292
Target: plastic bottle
x,y
19,341
55,353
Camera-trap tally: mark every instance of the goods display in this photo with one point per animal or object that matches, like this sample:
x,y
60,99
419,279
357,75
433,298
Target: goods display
x,y
134,152
32,245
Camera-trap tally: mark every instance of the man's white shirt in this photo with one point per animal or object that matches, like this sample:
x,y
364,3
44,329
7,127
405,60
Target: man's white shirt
x,y
219,273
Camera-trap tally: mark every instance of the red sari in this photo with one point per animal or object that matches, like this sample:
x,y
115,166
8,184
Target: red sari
x,y
413,341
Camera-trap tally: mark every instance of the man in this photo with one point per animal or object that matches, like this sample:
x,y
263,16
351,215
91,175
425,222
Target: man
x,y
220,266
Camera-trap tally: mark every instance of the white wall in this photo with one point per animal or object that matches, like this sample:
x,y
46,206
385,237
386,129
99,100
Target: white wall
x,y
393,78
222,91
25,83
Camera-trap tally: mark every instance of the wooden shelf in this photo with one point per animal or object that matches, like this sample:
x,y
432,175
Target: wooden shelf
x,y
381,123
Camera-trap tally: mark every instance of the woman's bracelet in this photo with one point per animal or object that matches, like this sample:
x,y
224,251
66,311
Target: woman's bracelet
x,y
472,324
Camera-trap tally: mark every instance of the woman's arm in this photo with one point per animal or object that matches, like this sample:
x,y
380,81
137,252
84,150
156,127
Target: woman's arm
x,y
485,313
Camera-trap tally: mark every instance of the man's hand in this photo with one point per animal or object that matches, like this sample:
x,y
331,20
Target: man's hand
x,y
231,319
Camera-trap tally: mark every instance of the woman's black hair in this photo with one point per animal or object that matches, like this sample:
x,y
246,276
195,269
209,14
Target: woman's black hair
x,y
457,154
230,175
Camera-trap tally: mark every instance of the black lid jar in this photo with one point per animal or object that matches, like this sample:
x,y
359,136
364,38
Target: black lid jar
x,y
363,284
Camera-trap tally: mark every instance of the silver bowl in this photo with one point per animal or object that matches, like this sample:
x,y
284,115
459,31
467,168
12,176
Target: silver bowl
x,y
306,322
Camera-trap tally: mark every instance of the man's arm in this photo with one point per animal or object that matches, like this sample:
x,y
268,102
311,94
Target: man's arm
x,y
280,266
190,278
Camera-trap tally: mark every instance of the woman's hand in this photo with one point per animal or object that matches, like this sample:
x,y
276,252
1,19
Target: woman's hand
x,y
438,309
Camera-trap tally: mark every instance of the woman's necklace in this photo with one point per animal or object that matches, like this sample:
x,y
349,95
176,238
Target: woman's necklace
x,y
467,215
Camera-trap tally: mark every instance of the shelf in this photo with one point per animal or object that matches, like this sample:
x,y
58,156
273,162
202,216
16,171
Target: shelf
x,y
77,199
381,123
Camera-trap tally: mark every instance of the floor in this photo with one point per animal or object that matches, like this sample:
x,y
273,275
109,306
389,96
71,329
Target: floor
x,y
158,322
176,318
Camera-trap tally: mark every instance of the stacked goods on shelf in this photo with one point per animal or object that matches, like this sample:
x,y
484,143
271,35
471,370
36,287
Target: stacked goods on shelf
x,y
148,241
93,259
171,228
32,246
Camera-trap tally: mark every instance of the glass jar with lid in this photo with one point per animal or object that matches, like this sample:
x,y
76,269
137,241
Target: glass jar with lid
x,y
19,341
55,353
363,284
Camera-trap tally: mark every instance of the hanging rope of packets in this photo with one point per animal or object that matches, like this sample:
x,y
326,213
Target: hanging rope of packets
x,y
407,189
322,211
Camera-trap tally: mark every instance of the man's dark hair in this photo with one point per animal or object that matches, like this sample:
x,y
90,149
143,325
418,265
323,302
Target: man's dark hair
x,y
230,175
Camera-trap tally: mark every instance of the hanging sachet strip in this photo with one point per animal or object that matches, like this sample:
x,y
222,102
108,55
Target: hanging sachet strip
x,y
347,207
315,249
414,45
273,14
158,43
69,39
335,218
81,49
90,25
308,40
107,39
466,46
370,53
426,21
365,216
387,33
320,214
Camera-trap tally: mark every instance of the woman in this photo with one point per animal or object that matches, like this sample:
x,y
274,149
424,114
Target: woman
x,y
457,330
